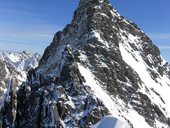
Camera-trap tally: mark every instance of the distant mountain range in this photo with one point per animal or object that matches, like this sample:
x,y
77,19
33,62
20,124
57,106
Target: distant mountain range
x,y
15,66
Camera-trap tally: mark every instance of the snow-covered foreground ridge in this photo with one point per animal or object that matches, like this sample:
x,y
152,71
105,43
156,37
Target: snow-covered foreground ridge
x,y
109,122
101,65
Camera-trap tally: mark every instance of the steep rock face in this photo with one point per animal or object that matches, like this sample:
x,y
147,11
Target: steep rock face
x,y
101,64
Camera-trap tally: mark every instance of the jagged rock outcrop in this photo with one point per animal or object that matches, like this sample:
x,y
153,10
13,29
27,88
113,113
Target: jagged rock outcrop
x,y
9,105
101,64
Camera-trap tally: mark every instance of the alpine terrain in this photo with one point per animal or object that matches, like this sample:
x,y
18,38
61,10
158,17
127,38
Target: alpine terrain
x,y
100,71
14,68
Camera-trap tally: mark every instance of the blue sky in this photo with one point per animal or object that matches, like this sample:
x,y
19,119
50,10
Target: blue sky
x,y
30,25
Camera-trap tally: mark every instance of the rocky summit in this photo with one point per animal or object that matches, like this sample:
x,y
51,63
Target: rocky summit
x,y
100,70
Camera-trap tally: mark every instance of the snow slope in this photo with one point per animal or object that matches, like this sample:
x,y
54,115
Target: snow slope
x,y
109,122
115,106
160,86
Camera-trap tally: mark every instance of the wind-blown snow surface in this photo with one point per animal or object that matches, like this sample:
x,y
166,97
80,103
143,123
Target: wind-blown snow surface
x,y
109,122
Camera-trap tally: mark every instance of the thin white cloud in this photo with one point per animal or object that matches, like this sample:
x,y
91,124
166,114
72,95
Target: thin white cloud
x,y
29,26
164,47
162,39
160,36
31,37
40,31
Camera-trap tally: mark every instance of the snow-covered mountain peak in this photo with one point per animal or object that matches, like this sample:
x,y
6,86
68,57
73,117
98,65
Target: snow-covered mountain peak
x,y
101,65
